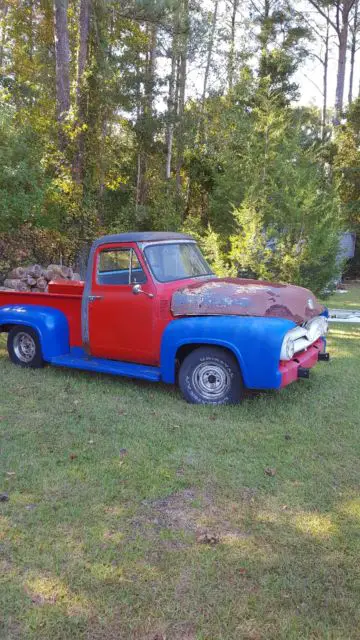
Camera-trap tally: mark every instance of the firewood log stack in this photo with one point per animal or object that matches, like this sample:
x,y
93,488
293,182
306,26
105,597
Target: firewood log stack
x,y
36,278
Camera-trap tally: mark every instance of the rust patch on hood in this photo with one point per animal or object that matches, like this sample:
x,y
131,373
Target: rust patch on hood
x,y
239,297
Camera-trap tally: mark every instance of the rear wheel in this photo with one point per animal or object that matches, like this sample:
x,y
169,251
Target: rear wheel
x,y
24,347
210,375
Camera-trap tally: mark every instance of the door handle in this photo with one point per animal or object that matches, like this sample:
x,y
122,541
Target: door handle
x,y
92,298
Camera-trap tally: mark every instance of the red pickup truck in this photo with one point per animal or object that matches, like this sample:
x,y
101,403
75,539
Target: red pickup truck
x,y
151,308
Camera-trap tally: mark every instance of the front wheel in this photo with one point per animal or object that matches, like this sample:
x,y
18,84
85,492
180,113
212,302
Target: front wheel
x,y
24,347
210,375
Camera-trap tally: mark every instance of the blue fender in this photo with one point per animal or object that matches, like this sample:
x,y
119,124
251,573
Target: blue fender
x,y
51,325
255,342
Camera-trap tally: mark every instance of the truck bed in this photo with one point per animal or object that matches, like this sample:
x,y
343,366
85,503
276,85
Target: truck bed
x,y
64,295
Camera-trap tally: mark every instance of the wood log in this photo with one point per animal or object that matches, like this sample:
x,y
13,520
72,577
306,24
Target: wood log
x,y
18,272
68,272
16,285
41,284
53,275
35,271
60,270
30,281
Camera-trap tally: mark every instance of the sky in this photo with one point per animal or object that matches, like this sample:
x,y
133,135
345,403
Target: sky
x,y
309,76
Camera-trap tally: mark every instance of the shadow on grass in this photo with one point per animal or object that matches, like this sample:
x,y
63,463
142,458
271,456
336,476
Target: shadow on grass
x,y
278,573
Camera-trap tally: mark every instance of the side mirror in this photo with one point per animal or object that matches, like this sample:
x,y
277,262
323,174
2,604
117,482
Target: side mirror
x,y
137,289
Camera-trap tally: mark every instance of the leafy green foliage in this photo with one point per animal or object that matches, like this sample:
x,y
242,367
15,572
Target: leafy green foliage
x,y
249,176
23,182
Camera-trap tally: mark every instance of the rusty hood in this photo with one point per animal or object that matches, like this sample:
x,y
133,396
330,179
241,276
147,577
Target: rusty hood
x,y
235,296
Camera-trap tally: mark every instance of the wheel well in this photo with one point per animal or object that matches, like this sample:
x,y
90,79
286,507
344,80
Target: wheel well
x,y
186,349
5,328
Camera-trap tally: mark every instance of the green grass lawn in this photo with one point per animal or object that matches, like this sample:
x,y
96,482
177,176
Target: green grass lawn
x,y
348,300
116,490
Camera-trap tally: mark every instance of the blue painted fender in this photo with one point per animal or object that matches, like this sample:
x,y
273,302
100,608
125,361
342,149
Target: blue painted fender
x,y
51,325
255,342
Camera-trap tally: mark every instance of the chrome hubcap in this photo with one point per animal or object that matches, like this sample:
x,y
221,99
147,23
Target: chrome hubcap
x,y
24,347
211,380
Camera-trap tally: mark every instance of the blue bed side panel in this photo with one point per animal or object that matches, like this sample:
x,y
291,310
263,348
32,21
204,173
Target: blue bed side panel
x,y
256,343
51,325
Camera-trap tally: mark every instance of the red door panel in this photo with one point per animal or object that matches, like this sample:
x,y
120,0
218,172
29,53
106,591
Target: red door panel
x,y
121,324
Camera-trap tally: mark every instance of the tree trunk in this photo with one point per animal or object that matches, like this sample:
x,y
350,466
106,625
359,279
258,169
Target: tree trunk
x,y
181,90
171,109
201,124
231,64
84,28
325,80
210,50
145,115
150,74
4,7
62,55
340,78
341,27
353,51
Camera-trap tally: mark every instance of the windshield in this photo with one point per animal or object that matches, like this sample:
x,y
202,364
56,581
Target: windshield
x,y
176,261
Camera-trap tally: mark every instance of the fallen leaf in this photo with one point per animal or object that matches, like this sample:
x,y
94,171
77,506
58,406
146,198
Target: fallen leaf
x,y
30,507
208,538
213,417
123,453
73,456
122,412
242,571
270,471
287,436
4,497
10,473
91,441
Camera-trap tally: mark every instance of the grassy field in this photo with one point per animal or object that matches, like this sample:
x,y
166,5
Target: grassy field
x,y
135,516
348,300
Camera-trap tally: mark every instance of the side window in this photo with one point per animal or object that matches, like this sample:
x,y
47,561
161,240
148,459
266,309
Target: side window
x,y
119,266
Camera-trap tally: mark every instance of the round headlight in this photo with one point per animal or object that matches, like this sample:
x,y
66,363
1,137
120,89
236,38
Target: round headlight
x,y
317,327
287,349
314,331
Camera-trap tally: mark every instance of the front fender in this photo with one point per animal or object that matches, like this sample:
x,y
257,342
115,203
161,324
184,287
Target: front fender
x,y
255,342
51,325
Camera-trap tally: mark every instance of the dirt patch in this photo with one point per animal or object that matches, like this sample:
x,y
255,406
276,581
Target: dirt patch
x,y
192,512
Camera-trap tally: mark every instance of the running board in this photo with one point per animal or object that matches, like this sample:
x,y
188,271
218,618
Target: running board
x,y
78,359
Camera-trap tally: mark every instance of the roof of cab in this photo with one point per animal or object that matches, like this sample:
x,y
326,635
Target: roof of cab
x,y
141,236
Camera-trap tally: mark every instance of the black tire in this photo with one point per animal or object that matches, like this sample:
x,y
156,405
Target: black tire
x,y
210,375
24,347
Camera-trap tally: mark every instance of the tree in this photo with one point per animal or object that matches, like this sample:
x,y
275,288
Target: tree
x,y
62,56
354,28
288,222
340,23
181,87
281,43
234,5
81,93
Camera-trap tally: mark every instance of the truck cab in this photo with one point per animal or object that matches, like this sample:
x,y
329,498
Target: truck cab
x,y
150,307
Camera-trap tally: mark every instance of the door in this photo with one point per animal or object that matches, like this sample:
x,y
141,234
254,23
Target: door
x,y
121,322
